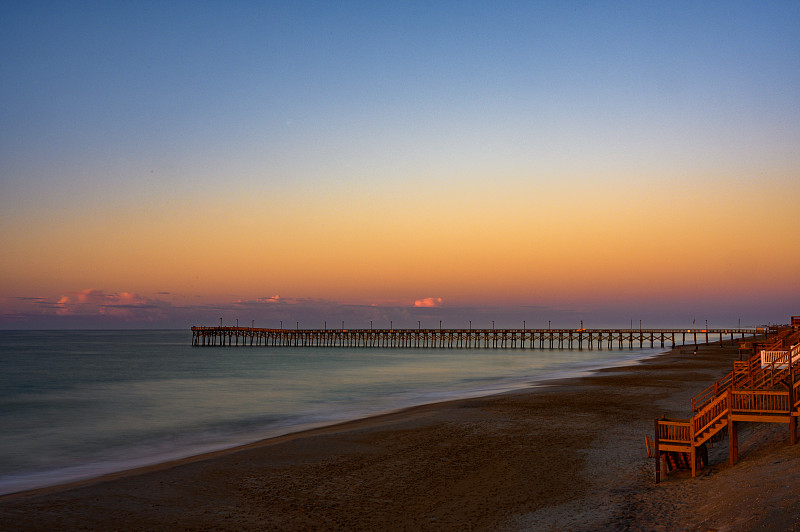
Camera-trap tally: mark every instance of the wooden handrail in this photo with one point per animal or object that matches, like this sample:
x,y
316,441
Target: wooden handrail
x,y
748,393
768,357
713,412
700,400
750,372
767,374
761,401
674,431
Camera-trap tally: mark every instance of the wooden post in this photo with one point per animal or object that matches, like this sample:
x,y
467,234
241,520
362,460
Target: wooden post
x,y
693,453
733,439
792,418
657,454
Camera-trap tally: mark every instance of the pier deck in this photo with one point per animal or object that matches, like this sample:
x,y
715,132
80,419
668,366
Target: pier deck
x,y
464,338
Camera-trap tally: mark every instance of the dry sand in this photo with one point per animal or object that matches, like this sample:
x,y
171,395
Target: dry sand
x,y
567,456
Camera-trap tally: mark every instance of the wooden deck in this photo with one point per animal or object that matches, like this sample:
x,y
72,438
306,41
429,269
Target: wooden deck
x,y
464,338
763,388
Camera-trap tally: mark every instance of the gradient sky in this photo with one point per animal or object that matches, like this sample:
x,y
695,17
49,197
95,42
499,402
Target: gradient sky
x,y
164,164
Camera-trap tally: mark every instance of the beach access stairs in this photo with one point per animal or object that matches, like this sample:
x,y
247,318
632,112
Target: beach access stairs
x,y
763,388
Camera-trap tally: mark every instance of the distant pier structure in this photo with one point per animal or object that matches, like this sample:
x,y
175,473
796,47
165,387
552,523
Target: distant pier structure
x,y
465,338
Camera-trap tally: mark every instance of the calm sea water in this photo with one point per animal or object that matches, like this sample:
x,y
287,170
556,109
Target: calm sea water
x,y
77,404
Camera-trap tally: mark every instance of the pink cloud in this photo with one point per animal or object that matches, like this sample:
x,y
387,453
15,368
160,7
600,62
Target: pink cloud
x,y
98,302
273,299
428,302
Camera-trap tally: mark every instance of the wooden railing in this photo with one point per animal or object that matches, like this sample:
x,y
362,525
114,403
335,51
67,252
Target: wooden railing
x,y
771,357
748,369
760,401
711,414
754,391
674,431
784,340
771,373
700,400
764,368
740,369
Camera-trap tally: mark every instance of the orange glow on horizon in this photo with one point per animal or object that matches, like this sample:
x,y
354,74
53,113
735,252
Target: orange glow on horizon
x,y
485,244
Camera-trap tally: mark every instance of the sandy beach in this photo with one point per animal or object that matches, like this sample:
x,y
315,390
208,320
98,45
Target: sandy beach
x,y
566,456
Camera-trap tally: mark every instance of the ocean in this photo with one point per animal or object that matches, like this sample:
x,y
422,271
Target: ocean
x,y
79,404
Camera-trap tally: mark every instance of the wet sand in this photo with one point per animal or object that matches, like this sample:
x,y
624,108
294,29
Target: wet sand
x,y
566,456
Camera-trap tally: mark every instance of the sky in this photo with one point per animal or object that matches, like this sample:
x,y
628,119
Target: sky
x,y
168,164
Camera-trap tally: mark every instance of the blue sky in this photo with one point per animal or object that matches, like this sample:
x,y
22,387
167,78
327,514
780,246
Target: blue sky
x,y
349,153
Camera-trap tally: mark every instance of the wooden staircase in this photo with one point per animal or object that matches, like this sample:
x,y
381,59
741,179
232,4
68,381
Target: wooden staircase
x,y
752,373
765,387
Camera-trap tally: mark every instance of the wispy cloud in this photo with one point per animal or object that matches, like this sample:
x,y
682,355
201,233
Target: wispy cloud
x,y
86,308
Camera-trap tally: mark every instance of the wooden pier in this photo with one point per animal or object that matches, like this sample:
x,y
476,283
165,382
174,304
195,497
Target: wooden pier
x,y
465,338
763,388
